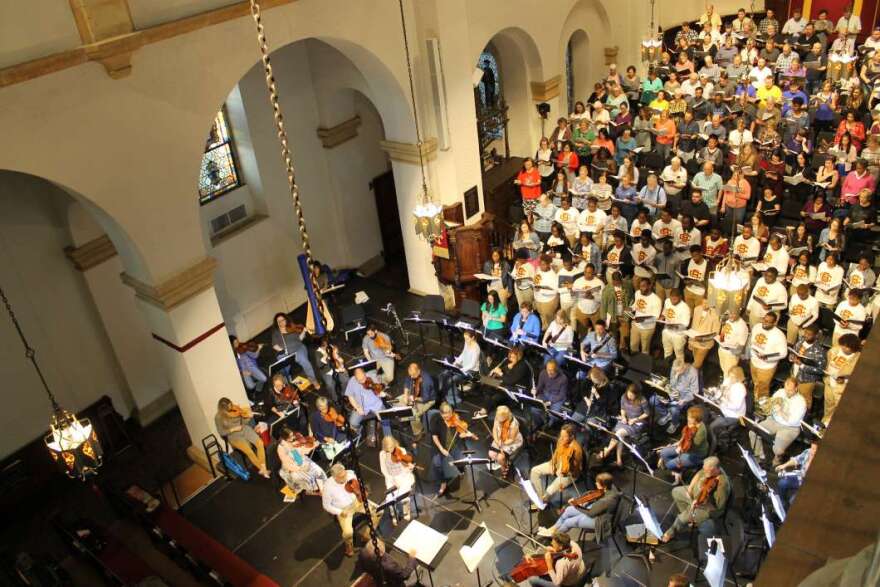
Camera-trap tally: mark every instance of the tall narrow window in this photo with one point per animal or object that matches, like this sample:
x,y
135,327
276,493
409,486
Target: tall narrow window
x,y
219,173
569,76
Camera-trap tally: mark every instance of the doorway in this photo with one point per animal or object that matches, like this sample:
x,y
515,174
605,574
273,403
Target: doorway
x,y
393,251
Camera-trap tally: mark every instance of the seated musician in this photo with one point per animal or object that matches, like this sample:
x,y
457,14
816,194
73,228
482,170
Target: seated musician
x,y
526,324
808,365
287,339
468,361
298,470
565,465
378,347
599,349
787,409
506,439
394,574
558,338
691,448
552,389
332,368
448,435
791,473
592,511
419,392
634,414
365,403
562,570
285,403
513,373
246,357
704,499
841,360
684,382
732,401
398,473
602,399
234,423
339,499
326,428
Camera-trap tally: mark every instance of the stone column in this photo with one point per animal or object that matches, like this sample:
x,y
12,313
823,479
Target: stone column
x,y
188,329
125,327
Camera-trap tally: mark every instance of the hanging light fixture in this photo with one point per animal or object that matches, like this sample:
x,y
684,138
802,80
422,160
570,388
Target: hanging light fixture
x,y
429,214
72,442
730,278
652,45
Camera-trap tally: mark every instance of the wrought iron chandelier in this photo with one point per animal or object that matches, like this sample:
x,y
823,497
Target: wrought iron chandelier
x,y
428,213
652,45
72,442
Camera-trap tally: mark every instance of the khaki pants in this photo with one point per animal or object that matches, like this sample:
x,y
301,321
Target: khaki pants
x,y
761,380
620,329
661,291
524,295
806,391
419,408
833,393
783,436
700,354
673,342
558,483
683,503
547,311
346,519
583,322
727,360
691,299
252,447
387,366
640,339
792,331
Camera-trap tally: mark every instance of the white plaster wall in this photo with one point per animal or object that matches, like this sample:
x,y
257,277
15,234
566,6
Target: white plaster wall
x,y
34,28
55,310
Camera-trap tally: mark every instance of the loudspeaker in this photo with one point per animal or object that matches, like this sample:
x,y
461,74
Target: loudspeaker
x,y
543,109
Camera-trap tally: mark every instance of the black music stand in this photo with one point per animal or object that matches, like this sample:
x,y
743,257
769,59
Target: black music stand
x,y
469,461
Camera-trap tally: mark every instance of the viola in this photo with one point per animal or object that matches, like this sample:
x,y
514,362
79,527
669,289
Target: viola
x,y
461,427
332,416
300,441
536,566
353,486
398,456
247,347
236,411
588,498
289,394
376,388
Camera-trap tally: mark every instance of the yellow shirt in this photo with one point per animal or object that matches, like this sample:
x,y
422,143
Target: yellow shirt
x,y
772,92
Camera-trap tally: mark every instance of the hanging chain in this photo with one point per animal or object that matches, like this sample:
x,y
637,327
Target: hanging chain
x,y
412,93
256,12
29,351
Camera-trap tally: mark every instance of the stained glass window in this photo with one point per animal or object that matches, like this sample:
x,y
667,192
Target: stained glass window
x,y
218,173
569,76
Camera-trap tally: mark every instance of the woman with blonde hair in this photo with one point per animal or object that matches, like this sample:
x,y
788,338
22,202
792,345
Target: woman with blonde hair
x,y
506,439
398,473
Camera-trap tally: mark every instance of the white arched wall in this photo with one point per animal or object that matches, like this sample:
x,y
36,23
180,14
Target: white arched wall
x,y
582,67
588,25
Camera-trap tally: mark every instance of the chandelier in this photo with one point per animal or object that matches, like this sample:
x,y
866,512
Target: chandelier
x,y
652,46
429,214
71,442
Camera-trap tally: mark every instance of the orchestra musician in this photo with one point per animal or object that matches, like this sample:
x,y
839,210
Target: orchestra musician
x,y
420,393
513,372
684,383
593,510
704,499
598,347
298,470
378,347
558,338
732,401
526,324
235,424
285,402
287,339
246,356
791,473
391,571
468,361
565,465
449,433
328,425
332,367
363,395
563,561
634,414
341,498
787,409
397,469
691,448
552,389
506,439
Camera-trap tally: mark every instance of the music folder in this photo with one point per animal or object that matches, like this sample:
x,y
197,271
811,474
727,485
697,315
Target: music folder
x,y
365,365
396,412
281,364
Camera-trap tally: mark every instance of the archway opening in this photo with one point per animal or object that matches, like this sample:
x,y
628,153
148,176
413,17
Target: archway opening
x,y
578,72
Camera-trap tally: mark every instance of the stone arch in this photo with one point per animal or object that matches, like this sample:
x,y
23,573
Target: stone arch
x,y
587,21
580,76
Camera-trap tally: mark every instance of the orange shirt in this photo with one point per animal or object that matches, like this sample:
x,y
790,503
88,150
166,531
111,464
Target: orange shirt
x,y
732,199
669,127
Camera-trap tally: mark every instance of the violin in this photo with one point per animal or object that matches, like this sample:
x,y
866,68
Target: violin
x,y
332,416
247,347
398,456
300,441
236,411
461,427
353,486
376,388
536,566
289,394
588,498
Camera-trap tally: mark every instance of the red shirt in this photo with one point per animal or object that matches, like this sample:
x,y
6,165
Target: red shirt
x,y
529,184
573,161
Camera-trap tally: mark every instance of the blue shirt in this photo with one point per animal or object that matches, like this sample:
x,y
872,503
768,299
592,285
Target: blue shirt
x,y
427,390
531,328
365,398
606,346
686,384
627,194
247,361
553,389
652,199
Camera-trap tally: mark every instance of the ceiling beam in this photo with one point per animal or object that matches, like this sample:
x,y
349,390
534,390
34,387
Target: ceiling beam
x,y
115,52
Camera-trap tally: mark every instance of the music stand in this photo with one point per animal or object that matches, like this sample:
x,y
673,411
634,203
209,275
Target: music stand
x,y
533,497
365,365
649,524
769,531
427,543
281,364
715,570
470,461
475,548
394,496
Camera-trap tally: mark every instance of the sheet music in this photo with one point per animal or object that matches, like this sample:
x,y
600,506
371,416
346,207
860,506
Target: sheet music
x,y
777,505
759,473
649,519
769,529
716,564
424,540
530,491
472,555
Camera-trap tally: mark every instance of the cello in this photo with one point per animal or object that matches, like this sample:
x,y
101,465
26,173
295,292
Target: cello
x,y
536,565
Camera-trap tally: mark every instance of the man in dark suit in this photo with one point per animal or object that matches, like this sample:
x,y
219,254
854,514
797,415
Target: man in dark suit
x,y
394,573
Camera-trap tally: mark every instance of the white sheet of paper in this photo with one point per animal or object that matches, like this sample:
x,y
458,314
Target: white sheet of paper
x,y
777,505
424,540
533,495
472,555
715,569
769,530
756,469
649,519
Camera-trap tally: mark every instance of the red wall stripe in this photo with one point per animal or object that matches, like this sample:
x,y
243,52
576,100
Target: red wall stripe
x,y
192,343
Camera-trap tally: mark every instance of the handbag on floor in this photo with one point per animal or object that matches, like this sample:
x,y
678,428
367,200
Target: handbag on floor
x,y
233,468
